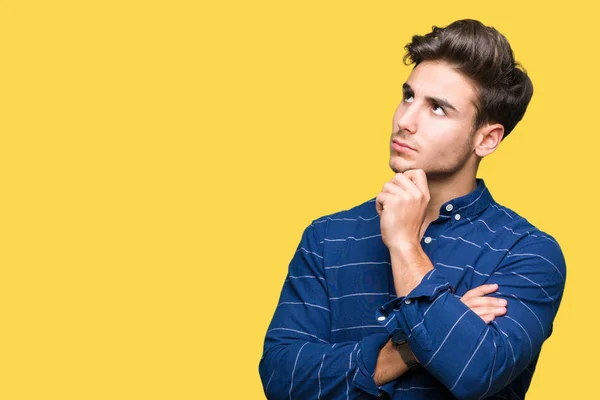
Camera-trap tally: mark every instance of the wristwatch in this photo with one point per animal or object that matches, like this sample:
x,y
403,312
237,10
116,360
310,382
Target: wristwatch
x,y
405,353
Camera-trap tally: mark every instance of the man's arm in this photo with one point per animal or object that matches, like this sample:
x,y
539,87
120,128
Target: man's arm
x,y
390,365
298,359
472,359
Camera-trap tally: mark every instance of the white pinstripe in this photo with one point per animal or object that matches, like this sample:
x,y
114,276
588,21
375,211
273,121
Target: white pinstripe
x,y
352,352
492,373
306,277
462,269
470,359
352,237
356,327
511,350
430,274
294,370
358,263
345,219
483,222
310,252
303,303
390,320
420,388
437,287
477,272
534,314
425,313
528,337
537,255
446,338
450,266
504,211
269,382
358,294
347,387
474,201
496,249
460,238
319,376
356,372
294,330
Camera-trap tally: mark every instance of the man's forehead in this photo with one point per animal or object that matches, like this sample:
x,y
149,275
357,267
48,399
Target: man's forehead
x,y
439,79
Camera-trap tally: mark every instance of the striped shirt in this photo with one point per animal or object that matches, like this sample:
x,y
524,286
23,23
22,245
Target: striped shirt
x,y
338,307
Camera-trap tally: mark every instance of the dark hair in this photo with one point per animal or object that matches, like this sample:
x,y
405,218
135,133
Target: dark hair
x,y
482,54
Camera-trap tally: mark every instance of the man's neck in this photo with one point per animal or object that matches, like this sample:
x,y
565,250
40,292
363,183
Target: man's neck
x,y
446,189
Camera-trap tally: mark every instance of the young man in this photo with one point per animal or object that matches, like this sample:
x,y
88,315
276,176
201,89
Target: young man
x,y
432,289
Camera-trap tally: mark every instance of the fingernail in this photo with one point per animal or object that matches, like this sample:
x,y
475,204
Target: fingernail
x,y
502,302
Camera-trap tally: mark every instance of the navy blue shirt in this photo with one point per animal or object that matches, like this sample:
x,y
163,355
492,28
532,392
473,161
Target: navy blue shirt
x,y
338,307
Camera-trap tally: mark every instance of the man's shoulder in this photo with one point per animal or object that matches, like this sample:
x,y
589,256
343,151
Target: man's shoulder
x,y
518,229
365,211
526,245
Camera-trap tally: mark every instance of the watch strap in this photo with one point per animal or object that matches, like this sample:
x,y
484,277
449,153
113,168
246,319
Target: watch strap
x,y
406,354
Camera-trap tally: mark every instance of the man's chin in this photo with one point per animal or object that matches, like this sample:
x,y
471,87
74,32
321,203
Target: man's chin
x,y
400,168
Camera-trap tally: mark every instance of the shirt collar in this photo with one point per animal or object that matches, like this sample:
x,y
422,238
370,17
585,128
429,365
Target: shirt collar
x,y
469,205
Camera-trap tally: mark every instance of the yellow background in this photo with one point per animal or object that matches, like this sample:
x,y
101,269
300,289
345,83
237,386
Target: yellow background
x,y
160,159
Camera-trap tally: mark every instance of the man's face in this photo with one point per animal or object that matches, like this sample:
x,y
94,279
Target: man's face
x,y
435,119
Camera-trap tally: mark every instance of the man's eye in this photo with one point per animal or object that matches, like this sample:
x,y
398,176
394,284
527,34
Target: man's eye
x,y
408,98
437,110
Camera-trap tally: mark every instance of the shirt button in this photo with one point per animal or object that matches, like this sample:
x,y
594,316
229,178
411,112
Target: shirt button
x,y
427,240
381,318
457,217
449,207
407,301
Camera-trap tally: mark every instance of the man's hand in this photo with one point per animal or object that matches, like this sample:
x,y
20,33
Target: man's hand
x,y
488,308
401,206
389,363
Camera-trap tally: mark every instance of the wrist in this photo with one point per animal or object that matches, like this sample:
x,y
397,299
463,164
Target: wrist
x,y
389,365
409,265
409,255
404,248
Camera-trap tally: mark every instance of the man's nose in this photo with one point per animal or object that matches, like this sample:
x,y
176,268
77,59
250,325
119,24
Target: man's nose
x,y
408,120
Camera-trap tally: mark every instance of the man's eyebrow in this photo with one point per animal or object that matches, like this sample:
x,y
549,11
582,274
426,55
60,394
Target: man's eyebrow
x,y
435,100
441,102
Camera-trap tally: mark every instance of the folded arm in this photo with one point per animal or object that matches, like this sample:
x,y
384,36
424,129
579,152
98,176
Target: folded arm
x,y
298,360
471,358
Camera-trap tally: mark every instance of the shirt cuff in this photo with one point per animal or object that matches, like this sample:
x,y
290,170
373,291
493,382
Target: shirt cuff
x,y
433,285
366,357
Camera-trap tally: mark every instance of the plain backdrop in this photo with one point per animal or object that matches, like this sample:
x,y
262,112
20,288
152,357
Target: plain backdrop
x,y
159,161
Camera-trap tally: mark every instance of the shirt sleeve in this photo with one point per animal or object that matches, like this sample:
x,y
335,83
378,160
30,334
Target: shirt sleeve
x,y
471,358
298,359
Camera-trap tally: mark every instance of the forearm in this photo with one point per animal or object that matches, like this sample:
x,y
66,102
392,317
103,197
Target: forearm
x,y
456,346
313,370
409,265
390,365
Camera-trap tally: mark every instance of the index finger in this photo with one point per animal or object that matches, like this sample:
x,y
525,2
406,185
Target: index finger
x,y
418,177
481,291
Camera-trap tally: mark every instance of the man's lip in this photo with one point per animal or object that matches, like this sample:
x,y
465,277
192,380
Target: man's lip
x,y
399,143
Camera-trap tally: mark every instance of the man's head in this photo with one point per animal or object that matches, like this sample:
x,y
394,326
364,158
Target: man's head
x,y
465,94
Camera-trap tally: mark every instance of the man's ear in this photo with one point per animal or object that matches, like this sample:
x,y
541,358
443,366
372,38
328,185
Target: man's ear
x,y
488,138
